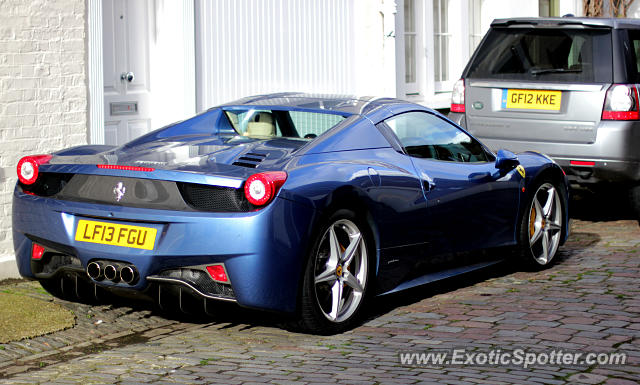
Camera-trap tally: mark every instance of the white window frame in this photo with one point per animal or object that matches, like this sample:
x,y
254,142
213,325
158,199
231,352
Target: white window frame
x,y
444,62
475,24
461,45
417,89
411,88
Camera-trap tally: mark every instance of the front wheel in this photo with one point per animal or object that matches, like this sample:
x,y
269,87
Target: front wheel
x,y
337,275
541,227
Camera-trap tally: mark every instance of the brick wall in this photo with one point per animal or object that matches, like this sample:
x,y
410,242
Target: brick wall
x,y
43,92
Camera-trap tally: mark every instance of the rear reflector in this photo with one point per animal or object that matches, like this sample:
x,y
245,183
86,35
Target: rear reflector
x,y
582,163
620,115
37,251
126,168
457,107
218,273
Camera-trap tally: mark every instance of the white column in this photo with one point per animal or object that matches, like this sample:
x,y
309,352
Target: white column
x,y
189,57
95,72
389,11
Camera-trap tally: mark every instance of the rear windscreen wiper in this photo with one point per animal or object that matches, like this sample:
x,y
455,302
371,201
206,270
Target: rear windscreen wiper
x,y
553,71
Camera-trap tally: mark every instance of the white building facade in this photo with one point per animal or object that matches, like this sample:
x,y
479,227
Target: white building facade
x,y
105,71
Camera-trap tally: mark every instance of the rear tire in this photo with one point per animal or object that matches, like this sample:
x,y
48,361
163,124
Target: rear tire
x,y
338,274
542,226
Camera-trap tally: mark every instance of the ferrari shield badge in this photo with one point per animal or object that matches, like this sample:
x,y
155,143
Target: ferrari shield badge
x,y
521,170
119,191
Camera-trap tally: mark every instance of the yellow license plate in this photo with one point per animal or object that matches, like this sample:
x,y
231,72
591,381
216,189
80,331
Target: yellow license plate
x,y
116,234
531,99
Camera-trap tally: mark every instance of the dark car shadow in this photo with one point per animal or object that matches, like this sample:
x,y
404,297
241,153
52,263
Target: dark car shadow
x,y
387,303
601,206
586,207
577,241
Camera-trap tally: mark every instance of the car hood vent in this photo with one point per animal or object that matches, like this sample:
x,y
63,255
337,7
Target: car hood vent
x,y
250,160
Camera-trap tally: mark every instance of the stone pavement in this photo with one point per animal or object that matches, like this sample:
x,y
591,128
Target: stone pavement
x,y
588,301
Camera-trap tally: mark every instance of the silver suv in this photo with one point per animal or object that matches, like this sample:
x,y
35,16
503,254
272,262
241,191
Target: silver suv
x,y
567,87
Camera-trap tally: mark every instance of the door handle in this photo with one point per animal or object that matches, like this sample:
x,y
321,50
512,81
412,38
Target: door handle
x,y
429,184
128,76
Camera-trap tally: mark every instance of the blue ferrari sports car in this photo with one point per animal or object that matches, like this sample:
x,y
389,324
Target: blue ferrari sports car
x,y
303,204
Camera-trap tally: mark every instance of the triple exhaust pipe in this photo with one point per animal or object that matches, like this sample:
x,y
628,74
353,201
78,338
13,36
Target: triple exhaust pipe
x,y
114,272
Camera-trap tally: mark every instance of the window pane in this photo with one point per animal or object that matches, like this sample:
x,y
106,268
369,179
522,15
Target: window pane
x,y
436,16
423,135
634,65
436,62
475,24
545,54
410,58
281,123
409,42
544,8
311,123
409,16
444,58
441,40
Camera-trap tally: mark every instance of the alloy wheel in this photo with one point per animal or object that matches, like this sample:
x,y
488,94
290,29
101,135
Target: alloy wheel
x,y
340,273
545,224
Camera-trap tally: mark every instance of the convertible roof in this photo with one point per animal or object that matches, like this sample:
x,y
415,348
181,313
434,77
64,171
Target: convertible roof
x,y
345,104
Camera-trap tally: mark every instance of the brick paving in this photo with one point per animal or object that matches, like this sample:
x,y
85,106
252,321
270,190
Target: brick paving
x,y
588,301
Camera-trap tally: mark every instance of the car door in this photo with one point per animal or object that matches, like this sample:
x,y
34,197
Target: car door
x,y
470,203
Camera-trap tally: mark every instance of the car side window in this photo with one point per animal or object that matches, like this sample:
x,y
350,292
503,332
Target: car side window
x,y
424,135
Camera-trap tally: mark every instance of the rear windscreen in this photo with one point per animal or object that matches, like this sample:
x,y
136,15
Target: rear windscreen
x,y
563,55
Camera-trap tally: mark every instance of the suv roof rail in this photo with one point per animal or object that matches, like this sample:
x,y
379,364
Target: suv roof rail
x,y
558,21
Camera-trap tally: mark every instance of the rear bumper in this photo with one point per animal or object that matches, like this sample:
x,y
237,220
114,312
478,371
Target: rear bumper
x,y
603,171
263,251
614,152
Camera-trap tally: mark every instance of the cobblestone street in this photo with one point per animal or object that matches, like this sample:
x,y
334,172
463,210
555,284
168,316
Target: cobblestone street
x,y
588,301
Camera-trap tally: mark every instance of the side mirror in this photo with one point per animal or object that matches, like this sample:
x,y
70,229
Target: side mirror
x,y
506,160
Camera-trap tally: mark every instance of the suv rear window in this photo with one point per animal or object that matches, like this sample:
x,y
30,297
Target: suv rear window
x,y
531,54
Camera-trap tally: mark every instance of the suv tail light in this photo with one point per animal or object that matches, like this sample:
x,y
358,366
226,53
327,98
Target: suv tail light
x,y
28,168
457,96
621,103
261,188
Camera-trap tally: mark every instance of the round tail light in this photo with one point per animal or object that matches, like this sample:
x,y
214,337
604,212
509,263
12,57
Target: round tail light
x,y
261,188
621,103
28,168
